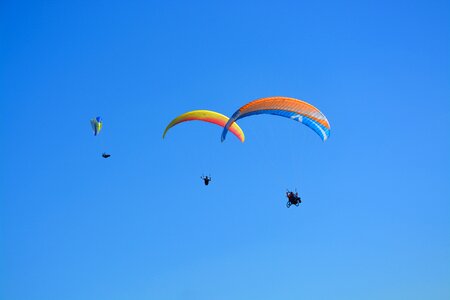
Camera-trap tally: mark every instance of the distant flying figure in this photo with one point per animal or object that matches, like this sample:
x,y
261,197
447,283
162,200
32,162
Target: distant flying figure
x,y
293,199
105,155
206,179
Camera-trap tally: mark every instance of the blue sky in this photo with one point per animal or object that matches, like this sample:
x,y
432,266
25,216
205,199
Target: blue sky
x,y
375,221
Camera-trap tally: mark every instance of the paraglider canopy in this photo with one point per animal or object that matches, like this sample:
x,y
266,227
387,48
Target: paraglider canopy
x,y
291,108
206,116
96,125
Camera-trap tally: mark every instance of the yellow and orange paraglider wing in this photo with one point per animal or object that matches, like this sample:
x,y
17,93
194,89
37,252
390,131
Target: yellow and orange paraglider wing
x,y
207,116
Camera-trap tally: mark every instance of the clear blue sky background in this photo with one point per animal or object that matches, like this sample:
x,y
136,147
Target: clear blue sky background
x,y
375,222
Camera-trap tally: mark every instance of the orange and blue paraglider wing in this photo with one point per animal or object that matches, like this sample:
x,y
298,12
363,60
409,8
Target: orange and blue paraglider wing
x,y
207,116
96,125
291,108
